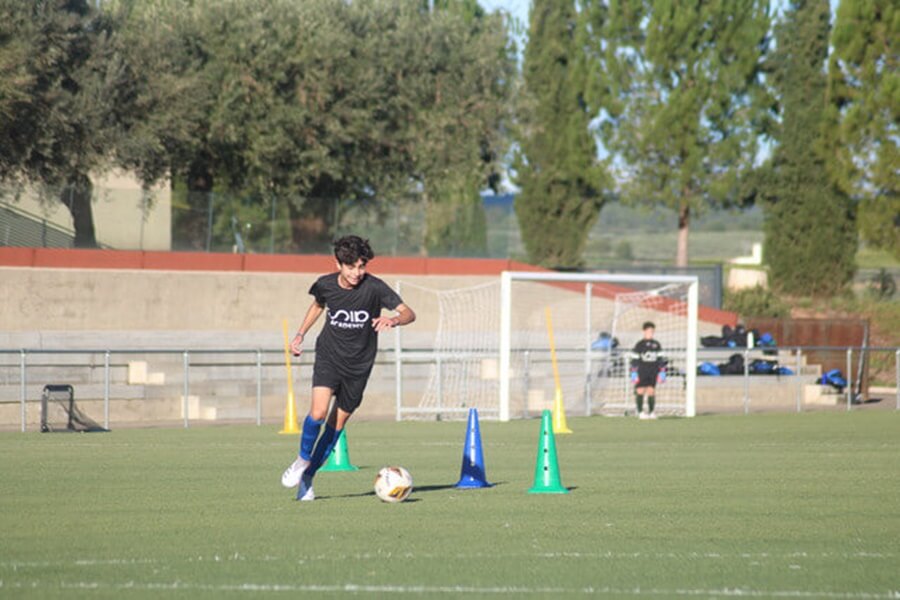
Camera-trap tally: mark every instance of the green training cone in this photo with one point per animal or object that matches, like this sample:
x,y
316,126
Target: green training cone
x,y
339,460
546,471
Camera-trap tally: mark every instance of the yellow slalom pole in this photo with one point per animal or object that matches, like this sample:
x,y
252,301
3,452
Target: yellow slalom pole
x,y
559,409
290,410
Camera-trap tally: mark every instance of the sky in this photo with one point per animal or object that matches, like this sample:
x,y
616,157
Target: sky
x,y
519,8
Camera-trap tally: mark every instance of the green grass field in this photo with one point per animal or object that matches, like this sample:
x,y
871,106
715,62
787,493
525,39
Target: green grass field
x,y
780,506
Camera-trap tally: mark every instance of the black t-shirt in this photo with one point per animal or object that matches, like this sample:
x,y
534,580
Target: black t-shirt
x,y
348,340
647,354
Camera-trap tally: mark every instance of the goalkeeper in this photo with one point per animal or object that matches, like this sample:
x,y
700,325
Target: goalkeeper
x,y
648,367
345,352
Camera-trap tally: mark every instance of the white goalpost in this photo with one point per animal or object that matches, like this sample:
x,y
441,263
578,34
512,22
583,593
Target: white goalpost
x,y
585,307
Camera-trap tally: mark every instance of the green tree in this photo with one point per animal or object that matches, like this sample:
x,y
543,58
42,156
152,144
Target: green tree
x,y
311,104
457,131
556,167
680,92
269,100
170,61
65,100
864,112
810,229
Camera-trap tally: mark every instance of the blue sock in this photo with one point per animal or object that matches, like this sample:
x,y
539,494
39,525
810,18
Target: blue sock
x,y
311,429
323,449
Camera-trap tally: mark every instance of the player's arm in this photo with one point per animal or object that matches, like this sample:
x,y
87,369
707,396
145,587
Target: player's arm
x,y
404,316
635,356
312,313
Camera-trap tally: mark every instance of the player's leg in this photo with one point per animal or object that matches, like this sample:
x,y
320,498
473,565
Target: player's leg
x,y
651,402
333,427
318,410
324,446
646,380
312,425
639,399
347,398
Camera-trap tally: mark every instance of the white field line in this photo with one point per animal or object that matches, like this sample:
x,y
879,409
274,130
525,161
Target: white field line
x,y
237,557
255,588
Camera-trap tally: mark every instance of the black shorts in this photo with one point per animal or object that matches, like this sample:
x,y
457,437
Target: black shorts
x,y
647,377
348,391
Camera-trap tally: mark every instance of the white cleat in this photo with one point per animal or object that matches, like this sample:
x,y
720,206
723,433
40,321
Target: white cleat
x,y
291,476
643,416
652,416
305,492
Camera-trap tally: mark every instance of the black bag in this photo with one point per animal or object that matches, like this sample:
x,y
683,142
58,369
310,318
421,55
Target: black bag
x,y
712,341
734,366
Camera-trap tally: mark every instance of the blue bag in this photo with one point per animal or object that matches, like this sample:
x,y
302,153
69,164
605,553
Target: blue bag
x,y
835,379
605,342
708,368
766,339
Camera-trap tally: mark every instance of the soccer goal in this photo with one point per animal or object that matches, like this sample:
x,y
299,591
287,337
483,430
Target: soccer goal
x,y
585,355
59,412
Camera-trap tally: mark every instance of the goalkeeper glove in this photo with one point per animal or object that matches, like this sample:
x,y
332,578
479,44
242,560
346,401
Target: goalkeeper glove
x,y
661,377
634,376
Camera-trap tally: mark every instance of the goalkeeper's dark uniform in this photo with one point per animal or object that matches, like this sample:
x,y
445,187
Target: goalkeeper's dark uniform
x,y
648,362
647,367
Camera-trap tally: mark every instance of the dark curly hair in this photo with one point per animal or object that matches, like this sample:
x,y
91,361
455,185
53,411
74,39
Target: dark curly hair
x,y
351,248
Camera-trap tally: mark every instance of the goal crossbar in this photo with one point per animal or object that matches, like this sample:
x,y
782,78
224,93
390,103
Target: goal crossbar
x,y
588,279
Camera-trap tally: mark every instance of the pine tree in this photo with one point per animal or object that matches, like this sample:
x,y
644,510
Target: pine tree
x,y
864,111
810,229
556,168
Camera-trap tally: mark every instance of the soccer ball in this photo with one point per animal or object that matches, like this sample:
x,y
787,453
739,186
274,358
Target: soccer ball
x,y
393,484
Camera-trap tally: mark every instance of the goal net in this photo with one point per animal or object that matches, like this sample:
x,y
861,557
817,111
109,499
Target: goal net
x,y
454,366
596,321
59,412
666,307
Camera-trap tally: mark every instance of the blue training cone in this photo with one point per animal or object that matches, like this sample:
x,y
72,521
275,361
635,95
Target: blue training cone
x,y
472,473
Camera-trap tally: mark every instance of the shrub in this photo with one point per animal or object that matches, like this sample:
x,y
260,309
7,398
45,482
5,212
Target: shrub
x,y
756,302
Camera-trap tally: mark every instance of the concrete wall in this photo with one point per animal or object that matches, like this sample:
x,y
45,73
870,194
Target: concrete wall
x,y
85,290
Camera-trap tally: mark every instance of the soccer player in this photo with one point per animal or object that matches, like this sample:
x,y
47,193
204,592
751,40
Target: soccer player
x,y
345,352
648,367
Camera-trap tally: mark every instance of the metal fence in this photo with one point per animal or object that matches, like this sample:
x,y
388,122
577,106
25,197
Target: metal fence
x,y
21,228
102,377
794,378
181,387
